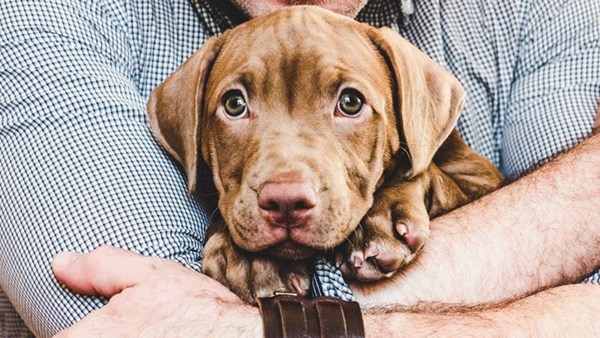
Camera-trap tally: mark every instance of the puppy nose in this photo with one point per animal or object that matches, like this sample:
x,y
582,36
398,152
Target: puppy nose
x,y
287,204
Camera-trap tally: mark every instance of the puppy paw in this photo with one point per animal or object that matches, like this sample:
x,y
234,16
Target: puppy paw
x,y
251,275
370,255
387,239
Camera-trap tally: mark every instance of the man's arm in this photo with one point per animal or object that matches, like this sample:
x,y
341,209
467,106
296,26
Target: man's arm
x,y
78,164
542,230
152,297
536,233
565,311
179,302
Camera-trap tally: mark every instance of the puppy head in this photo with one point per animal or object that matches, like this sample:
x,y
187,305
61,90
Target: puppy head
x,y
298,113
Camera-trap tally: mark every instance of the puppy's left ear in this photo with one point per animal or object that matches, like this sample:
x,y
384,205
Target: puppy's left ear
x,y
428,99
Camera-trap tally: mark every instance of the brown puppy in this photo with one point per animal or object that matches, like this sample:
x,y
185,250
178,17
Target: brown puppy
x,y
310,123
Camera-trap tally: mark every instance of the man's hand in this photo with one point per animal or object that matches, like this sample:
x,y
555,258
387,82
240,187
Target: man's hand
x,y
151,297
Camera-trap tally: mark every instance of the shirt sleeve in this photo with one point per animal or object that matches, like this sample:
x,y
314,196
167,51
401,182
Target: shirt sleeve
x,y
78,166
556,86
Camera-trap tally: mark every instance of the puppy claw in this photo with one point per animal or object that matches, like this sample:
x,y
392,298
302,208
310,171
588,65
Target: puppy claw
x,y
401,228
339,260
296,284
357,259
415,240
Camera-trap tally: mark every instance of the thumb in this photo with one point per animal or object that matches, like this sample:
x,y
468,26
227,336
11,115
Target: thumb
x,y
105,271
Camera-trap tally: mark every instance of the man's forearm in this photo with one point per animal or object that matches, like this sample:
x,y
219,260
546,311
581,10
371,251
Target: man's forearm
x,y
538,232
569,310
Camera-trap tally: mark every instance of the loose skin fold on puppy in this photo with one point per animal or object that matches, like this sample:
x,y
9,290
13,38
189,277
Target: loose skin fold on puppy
x,y
324,135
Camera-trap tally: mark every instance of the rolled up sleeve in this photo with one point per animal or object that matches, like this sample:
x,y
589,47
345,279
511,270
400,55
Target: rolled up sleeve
x,y
79,166
556,87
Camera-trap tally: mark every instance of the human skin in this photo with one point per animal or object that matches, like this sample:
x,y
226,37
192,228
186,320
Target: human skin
x,y
154,297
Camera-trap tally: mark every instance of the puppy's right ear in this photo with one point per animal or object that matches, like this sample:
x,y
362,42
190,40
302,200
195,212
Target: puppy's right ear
x,y
174,108
429,99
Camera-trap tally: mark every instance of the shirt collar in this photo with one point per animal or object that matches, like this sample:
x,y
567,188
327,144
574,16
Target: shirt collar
x,y
380,13
220,15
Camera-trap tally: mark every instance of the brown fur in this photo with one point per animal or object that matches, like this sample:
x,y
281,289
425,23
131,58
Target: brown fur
x,y
393,167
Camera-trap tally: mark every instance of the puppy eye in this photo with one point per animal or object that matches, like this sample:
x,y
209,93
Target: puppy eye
x,y
350,103
234,104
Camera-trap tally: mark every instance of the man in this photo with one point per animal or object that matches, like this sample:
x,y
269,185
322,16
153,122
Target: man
x,y
79,169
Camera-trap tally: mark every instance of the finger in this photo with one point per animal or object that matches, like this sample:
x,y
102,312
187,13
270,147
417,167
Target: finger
x,y
104,271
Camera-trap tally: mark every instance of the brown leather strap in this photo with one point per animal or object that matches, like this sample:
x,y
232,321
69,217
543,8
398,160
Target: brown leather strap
x,y
292,316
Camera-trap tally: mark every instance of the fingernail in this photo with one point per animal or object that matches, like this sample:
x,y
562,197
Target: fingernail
x,y
64,258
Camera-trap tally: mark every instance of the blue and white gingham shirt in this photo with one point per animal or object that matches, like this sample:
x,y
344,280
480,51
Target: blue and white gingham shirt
x,y
79,167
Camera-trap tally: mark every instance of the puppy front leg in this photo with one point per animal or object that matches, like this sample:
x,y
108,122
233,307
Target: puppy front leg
x,y
250,275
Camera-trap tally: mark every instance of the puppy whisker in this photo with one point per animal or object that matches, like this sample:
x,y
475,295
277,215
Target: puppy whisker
x,y
213,194
212,215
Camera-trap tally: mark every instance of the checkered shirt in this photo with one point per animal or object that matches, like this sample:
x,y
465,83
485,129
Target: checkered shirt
x,y
80,168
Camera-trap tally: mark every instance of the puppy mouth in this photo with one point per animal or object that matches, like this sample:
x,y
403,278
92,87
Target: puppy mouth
x,y
288,249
